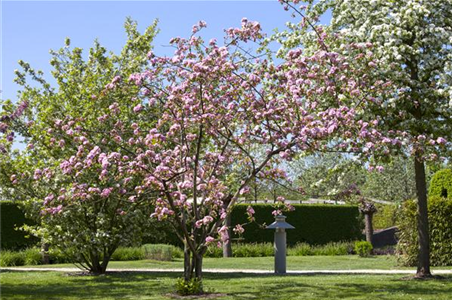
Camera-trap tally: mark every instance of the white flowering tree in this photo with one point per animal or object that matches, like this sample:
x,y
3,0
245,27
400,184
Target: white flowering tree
x,y
412,41
74,131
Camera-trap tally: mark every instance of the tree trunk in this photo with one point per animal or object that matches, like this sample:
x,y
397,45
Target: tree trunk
x,y
423,265
369,227
198,266
97,269
187,263
98,266
193,264
227,247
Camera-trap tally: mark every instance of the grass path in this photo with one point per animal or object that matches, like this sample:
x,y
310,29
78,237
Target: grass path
x,y
232,271
346,262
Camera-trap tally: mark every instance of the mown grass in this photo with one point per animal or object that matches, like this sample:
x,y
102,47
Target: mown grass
x,y
55,285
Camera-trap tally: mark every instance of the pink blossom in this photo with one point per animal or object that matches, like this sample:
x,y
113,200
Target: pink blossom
x,y
138,108
224,233
207,219
277,212
37,174
239,229
441,141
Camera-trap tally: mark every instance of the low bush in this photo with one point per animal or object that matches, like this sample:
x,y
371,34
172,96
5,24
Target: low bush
x,y
214,251
300,249
33,256
363,248
148,251
30,256
333,249
440,229
162,252
330,249
267,249
56,256
242,250
253,250
12,258
385,216
128,253
190,287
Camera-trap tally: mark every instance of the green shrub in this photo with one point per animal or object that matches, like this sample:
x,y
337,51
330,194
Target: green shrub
x,y
385,216
243,250
300,249
128,253
330,249
191,287
333,249
33,256
12,218
56,256
162,252
440,229
314,224
363,248
30,256
441,184
12,258
267,249
253,250
215,252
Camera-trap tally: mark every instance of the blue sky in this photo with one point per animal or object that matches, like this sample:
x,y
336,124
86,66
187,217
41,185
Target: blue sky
x,y
31,28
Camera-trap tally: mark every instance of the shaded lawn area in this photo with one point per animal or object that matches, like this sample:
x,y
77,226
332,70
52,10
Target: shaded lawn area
x,y
345,262
56,285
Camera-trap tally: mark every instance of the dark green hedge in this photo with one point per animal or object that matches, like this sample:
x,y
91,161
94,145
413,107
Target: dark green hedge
x,y
314,224
12,217
440,227
441,184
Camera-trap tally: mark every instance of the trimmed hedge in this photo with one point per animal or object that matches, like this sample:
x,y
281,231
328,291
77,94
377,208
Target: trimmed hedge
x,y
440,225
314,224
13,217
441,184
385,216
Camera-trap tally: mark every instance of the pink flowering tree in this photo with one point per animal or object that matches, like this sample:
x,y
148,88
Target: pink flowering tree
x,y
9,119
219,103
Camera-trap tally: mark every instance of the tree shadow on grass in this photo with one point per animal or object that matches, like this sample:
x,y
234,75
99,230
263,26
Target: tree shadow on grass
x,y
321,286
53,285
157,285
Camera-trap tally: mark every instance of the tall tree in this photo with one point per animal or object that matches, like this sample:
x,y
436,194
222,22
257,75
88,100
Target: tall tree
x,y
412,43
220,103
67,123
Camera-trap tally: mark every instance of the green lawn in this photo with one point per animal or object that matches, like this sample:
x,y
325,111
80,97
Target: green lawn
x,y
56,285
346,262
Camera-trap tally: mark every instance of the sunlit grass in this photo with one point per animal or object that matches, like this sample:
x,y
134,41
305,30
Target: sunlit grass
x,y
56,285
